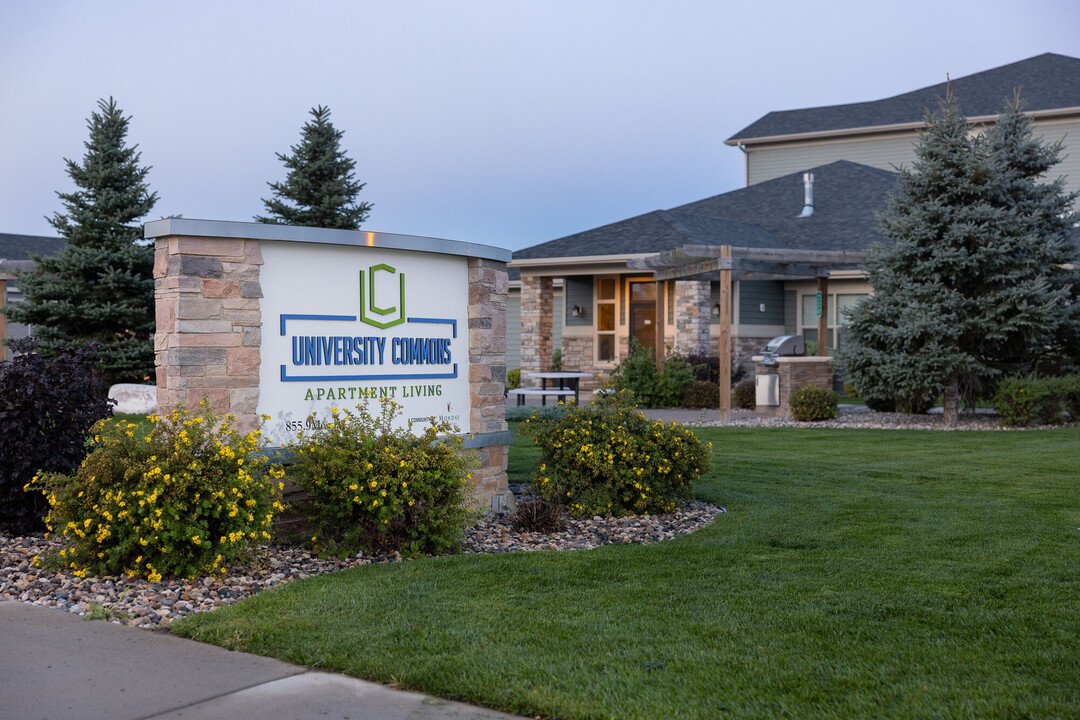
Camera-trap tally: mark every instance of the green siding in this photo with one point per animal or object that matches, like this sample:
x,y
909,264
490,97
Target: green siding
x,y
579,291
755,293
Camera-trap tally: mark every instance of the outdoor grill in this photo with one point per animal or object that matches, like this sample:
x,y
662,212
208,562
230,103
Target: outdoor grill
x,y
782,346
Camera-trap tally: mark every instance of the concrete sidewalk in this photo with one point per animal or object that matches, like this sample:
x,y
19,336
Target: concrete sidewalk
x,y
56,665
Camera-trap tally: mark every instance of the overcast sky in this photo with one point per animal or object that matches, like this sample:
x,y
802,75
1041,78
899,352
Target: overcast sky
x,y
499,122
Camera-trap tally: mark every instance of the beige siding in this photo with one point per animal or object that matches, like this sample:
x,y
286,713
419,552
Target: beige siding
x,y
513,325
887,153
1070,166
772,162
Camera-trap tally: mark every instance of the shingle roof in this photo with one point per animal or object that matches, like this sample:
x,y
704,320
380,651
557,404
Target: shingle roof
x,y
19,247
1046,82
846,194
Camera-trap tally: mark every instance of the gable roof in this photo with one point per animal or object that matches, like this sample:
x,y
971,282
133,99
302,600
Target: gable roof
x,y
19,247
1046,82
846,195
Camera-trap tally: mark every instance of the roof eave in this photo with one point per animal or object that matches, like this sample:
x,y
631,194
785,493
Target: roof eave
x,y
575,260
886,129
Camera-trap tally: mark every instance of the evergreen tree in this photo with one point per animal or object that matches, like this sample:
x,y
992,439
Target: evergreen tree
x,y
1042,216
962,283
320,189
100,286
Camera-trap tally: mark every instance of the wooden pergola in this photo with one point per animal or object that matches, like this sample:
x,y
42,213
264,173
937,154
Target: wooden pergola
x,y
726,264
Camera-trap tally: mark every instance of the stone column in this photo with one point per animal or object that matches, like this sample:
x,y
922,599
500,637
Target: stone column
x,y
537,310
208,325
488,290
692,316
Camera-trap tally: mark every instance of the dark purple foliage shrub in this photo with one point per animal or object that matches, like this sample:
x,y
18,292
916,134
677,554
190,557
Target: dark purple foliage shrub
x,y
47,408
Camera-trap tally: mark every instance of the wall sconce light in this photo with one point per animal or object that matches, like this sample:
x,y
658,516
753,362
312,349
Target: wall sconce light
x,y
716,310
578,311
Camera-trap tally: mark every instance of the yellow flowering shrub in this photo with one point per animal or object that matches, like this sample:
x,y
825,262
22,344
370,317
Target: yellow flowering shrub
x,y
376,487
607,458
185,499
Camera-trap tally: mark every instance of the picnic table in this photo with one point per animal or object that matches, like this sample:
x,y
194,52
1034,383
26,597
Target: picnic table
x,y
566,384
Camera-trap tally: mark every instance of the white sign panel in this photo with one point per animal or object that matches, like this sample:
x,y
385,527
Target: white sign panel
x,y
345,325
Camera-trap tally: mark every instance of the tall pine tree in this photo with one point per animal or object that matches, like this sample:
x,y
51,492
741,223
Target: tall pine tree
x,y
100,286
963,283
1042,215
320,189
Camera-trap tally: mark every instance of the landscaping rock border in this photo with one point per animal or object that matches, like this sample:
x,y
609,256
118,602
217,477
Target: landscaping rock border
x,y
130,601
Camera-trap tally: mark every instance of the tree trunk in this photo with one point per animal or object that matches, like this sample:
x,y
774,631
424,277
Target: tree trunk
x,y
952,402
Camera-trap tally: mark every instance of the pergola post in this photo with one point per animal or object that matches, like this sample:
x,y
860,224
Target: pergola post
x,y
725,335
661,288
823,321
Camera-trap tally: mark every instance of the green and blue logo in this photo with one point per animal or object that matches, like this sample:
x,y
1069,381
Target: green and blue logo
x,y
367,299
346,355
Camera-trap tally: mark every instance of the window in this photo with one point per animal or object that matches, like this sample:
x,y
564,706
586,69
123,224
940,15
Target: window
x,y
838,304
605,319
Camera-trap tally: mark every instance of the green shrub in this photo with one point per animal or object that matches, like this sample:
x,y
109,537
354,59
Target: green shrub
x,y
377,487
187,498
1070,388
556,360
1052,408
637,374
744,395
513,379
701,394
812,403
46,409
608,459
1017,401
1022,401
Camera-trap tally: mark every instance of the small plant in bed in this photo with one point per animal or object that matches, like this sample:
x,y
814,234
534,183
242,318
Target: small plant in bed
x,y
609,459
374,486
538,515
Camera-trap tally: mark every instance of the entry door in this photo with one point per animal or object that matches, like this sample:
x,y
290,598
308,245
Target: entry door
x,y
643,313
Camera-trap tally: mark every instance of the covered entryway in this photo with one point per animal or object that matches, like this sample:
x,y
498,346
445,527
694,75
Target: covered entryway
x,y
726,264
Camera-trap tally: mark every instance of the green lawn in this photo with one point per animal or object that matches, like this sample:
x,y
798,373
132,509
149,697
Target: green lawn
x,y
855,574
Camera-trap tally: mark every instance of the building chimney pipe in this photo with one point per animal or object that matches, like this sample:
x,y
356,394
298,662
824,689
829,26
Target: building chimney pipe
x,y
808,195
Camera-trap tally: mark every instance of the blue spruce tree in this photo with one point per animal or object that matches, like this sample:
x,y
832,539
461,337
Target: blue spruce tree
x,y
969,284
320,189
100,286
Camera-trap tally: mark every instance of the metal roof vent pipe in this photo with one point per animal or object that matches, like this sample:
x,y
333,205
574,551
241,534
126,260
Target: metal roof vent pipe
x,y
808,195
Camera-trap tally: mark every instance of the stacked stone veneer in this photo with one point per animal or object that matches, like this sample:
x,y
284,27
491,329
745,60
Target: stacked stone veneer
x,y
577,356
537,330
744,349
796,372
692,316
488,289
209,333
209,325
